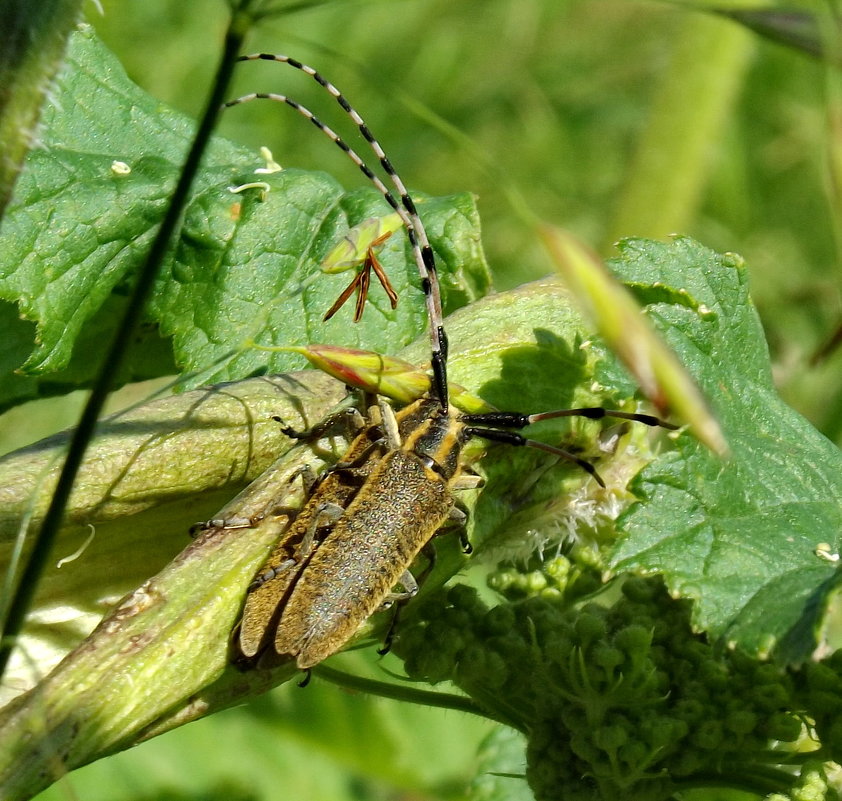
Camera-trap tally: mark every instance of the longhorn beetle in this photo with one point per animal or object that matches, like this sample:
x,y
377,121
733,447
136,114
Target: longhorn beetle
x,y
364,524
368,518
265,611
332,491
416,233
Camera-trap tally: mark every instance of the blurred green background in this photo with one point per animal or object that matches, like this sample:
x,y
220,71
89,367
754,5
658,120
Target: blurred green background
x,y
609,118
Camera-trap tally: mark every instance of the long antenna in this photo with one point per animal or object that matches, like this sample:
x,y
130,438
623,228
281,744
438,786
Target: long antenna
x,y
406,209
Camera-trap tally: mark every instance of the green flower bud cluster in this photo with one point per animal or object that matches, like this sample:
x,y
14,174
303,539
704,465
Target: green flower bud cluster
x,y
812,784
557,578
619,700
820,690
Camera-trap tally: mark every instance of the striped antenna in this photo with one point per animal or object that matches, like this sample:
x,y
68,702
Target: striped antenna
x,y
416,233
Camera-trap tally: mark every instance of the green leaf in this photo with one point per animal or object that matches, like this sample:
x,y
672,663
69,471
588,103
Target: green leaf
x,y
246,265
502,768
72,235
266,285
738,536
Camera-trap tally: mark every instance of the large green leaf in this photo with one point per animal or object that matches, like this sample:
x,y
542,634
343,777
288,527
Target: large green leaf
x,y
738,536
245,267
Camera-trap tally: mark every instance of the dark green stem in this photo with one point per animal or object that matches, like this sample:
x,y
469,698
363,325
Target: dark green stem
x,y
758,780
402,693
46,535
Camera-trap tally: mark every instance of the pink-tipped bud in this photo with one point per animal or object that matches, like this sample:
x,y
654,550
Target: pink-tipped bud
x,y
372,372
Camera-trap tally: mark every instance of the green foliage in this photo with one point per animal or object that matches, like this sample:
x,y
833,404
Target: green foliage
x,y
738,536
623,698
618,699
246,267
